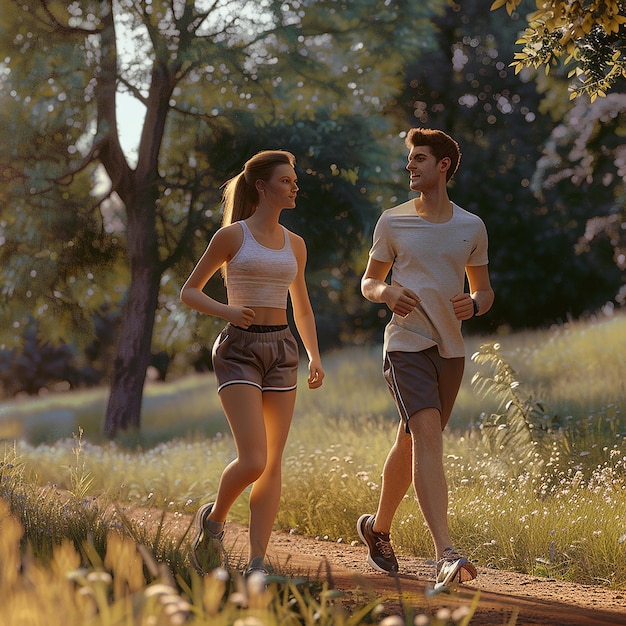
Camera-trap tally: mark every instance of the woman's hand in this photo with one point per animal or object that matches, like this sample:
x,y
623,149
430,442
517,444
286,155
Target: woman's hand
x,y
241,316
316,374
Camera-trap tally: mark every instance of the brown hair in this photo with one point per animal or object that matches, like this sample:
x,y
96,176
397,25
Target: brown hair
x,y
442,146
240,196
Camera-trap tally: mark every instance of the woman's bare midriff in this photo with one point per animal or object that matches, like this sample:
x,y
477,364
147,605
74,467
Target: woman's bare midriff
x,y
268,316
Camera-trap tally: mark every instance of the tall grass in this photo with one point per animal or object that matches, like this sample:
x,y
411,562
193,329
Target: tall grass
x,y
102,568
536,463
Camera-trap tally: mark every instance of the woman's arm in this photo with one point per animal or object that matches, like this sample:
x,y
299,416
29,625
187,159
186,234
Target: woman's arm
x,y
221,249
303,314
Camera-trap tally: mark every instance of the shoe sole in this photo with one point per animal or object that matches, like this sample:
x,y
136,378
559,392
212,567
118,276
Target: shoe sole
x,y
370,561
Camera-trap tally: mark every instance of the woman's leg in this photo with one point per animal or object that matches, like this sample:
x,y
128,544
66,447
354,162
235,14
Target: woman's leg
x,y
265,496
243,407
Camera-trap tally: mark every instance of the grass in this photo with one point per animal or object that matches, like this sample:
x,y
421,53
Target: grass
x,y
187,407
536,462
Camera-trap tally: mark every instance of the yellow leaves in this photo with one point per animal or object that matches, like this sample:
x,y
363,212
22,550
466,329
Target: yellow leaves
x,y
352,175
612,23
569,32
511,5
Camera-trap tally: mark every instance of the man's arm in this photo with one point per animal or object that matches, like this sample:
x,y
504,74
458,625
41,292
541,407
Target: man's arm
x,y
480,287
399,300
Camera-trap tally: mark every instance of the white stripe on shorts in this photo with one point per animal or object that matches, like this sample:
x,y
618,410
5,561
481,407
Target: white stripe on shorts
x,y
249,382
397,394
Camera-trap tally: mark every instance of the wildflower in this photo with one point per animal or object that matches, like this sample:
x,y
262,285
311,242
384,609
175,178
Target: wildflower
x,y
443,615
221,574
460,613
99,577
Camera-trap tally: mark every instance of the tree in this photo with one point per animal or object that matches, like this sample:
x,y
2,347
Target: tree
x,y
581,177
586,35
207,73
465,87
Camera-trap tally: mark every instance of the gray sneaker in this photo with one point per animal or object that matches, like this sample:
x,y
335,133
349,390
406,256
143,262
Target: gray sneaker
x,y
207,551
257,566
452,569
380,554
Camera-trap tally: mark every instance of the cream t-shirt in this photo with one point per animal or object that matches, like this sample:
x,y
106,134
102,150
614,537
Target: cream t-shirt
x,y
430,259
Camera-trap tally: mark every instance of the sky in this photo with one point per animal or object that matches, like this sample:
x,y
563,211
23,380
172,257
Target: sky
x,y
130,118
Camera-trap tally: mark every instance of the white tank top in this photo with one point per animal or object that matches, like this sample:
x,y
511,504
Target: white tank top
x,y
258,276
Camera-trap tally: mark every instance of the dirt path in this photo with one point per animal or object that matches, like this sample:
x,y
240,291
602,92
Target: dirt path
x,y
503,595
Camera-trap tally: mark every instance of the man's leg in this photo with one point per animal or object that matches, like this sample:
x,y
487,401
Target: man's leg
x,y
374,529
429,481
396,480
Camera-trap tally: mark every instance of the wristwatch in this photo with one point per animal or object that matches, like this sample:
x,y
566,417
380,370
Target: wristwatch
x,y
476,307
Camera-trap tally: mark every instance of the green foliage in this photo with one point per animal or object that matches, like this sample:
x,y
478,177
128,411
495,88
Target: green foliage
x,y
320,80
524,429
206,69
503,123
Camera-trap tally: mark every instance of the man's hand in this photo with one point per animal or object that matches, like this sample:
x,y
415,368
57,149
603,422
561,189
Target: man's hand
x,y
400,300
463,306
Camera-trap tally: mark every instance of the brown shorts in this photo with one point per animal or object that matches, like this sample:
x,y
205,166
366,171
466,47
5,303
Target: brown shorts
x,y
421,380
267,360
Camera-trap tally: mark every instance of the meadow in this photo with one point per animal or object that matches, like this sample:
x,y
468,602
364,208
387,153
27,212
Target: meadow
x,y
535,458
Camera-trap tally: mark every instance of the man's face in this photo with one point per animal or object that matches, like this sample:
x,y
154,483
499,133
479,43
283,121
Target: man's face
x,y
424,169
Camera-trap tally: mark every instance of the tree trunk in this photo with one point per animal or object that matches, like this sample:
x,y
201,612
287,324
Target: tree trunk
x,y
135,339
133,355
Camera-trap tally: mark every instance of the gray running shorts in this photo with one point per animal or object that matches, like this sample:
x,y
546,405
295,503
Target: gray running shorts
x,y
267,360
421,380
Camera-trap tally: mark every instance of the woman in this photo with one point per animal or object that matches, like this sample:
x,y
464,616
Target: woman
x,y
255,357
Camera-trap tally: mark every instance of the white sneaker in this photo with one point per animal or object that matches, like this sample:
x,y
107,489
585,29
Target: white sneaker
x,y
452,569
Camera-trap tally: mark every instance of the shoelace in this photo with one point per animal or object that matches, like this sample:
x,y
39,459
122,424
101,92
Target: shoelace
x,y
449,555
384,546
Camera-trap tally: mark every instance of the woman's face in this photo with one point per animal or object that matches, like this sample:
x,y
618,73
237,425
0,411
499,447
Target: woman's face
x,y
282,188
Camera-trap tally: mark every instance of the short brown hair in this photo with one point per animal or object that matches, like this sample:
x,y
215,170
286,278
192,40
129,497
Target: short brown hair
x,y
442,146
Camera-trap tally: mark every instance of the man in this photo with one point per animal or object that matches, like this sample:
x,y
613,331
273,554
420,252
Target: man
x,y
429,244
